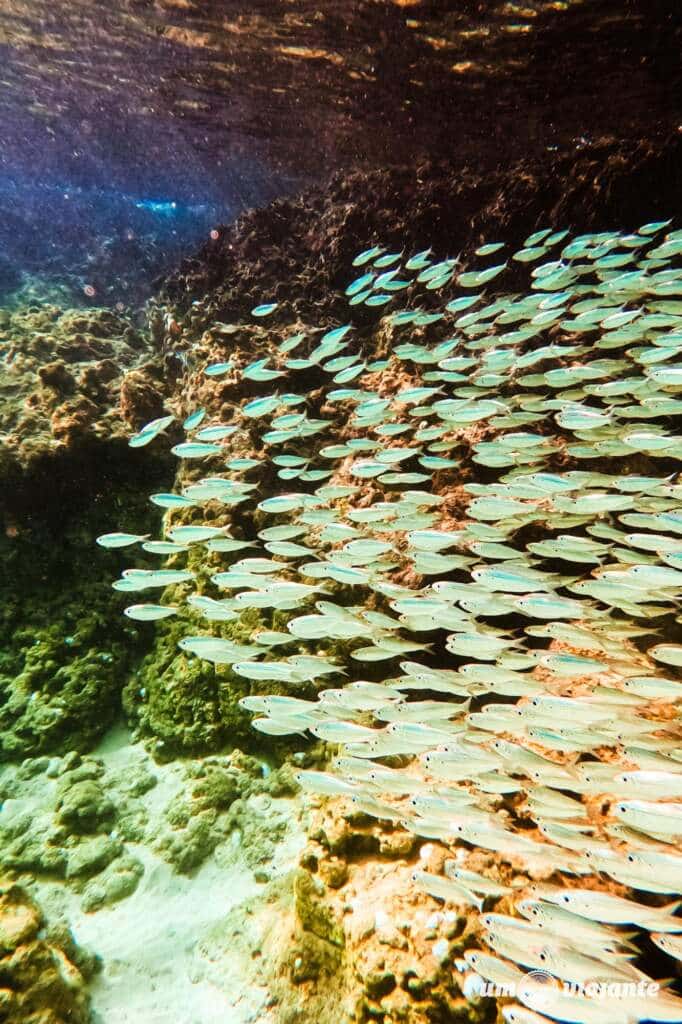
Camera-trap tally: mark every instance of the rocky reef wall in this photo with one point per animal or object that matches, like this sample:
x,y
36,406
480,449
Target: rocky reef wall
x,y
74,386
76,383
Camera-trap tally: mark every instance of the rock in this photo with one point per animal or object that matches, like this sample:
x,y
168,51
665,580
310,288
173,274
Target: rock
x,y
217,789
282,782
84,807
131,823
20,919
31,767
39,983
334,872
60,935
379,983
31,852
137,780
312,958
15,821
397,844
91,856
141,398
118,881
70,761
314,914
56,376
188,847
82,772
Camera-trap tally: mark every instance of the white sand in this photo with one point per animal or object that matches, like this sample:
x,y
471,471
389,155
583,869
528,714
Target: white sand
x,y
163,959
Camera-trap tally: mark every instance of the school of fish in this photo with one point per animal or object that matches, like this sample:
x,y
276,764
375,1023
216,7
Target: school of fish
x,y
522,651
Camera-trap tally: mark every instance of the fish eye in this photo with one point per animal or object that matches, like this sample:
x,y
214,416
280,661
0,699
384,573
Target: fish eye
x,y
543,957
565,898
631,858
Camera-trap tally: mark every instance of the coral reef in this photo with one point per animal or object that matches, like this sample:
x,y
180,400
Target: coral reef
x,y
71,377
69,818
347,936
81,819
226,800
346,939
43,973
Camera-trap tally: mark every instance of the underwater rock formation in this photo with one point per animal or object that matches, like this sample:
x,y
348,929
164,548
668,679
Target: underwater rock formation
x,y
71,377
87,474
81,819
346,938
73,383
327,951
68,818
534,440
64,662
43,974
297,251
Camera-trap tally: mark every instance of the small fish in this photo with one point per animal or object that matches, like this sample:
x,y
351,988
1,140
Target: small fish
x,y
670,944
149,612
120,540
446,889
151,430
366,255
171,501
192,534
218,369
163,547
194,419
324,783
195,449
604,907
663,819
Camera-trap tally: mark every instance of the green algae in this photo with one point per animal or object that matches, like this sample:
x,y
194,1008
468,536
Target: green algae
x,y
64,658
314,914
64,818
185,705
225,800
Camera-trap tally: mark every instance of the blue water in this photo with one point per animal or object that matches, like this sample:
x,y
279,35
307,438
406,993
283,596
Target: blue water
x,y
94,245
